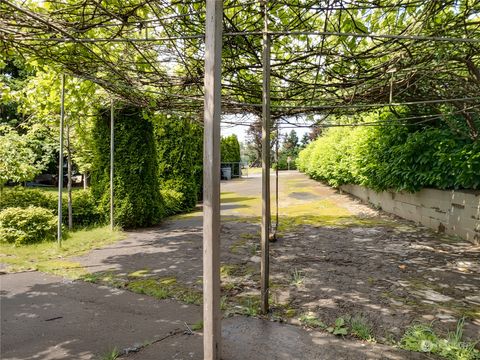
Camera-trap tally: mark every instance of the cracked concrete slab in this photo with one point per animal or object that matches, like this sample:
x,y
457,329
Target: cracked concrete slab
x,y
255,339
46,317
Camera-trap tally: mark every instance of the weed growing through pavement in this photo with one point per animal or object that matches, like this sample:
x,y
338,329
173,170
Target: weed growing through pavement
x,y
312,321
339,328
422,338
360,328
297,277
111,355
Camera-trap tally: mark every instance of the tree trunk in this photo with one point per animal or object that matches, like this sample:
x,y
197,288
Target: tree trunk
x,y
85,175
69,183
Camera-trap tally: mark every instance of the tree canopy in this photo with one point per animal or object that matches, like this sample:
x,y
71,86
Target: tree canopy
x,y
337,56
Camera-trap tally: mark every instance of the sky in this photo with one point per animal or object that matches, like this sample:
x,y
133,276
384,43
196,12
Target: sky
x,y
241,130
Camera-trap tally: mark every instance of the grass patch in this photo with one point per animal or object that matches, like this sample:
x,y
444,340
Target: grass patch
x,y
111,355
165,288
246,206
50,258
250,305
150,287
139,273
297,277
236,270
422,338
360,328
159,288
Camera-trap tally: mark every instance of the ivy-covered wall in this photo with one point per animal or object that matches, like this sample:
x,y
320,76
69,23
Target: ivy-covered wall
x,y
137,198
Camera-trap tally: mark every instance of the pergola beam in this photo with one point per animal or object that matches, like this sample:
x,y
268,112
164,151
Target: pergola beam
x,y
112,152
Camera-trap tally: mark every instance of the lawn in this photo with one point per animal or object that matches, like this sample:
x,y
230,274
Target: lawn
x,y
51,258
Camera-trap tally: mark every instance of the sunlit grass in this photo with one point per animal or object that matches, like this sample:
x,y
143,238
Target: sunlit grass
x,y
49,257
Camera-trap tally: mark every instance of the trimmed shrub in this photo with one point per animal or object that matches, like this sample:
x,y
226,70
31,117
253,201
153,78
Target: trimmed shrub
x,y
230,149
27,225
137,199
173,200
393,157
24,197
84,208
179,155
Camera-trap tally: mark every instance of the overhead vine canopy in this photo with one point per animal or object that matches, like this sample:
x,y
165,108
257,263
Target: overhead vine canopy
x,y
333,56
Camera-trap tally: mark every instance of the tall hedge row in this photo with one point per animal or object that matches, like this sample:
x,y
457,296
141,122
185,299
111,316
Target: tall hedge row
x,y
158,165
179,146
137,198
393,157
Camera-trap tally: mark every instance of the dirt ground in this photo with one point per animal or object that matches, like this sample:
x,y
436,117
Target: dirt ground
x,y
335,257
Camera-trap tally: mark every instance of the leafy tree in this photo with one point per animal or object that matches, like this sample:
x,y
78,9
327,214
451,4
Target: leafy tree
x,y
18,160
230,149
254,143
290,143
305,140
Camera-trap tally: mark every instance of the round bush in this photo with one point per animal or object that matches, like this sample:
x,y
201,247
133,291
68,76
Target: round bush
x,y
27,225
84,207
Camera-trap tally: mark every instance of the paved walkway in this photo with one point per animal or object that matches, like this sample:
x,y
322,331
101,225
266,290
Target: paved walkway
x,y
47,317
326,236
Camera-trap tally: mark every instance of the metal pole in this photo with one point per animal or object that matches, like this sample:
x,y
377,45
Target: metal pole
x,y
264,268
276,183
112,149
211,182
60,162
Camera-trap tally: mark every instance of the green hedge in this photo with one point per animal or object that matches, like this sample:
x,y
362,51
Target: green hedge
x,y
179,154
393,157
174,201
24,197
230,149
137,199
27,225
84,209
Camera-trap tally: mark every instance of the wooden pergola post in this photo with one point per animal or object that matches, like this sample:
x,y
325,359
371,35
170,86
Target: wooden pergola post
x,y
60,161
211,182
265,231
112,151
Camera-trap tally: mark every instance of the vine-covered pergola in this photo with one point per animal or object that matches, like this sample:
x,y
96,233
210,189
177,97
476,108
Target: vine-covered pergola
x,y
280,60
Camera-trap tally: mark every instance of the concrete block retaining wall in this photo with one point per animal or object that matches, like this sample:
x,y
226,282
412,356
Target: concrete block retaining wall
x,y
451,211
